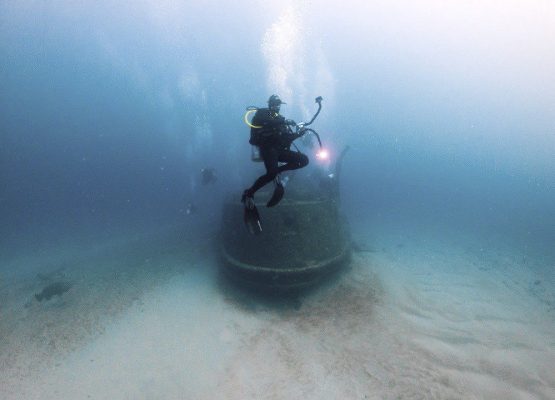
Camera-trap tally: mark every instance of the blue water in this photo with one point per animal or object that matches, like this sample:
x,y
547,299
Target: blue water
x,y
110,110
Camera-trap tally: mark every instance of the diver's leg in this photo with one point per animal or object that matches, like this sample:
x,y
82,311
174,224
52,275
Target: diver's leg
x,y
270,157
293,160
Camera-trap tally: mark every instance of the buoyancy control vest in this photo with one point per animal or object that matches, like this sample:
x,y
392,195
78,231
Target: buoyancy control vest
x,y
266,127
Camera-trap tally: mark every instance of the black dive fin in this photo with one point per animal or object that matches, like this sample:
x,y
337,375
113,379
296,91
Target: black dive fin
x,y
252,220
277,196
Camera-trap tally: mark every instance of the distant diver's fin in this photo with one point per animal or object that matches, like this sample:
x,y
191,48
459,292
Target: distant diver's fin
x,y
252,219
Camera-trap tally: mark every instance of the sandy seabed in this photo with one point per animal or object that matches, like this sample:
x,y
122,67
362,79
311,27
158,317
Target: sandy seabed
x,y
419,314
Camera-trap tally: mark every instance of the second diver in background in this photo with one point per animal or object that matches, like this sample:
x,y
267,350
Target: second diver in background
x,y
208,176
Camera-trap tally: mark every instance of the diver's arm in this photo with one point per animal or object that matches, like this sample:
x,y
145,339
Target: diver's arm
x,y
264,117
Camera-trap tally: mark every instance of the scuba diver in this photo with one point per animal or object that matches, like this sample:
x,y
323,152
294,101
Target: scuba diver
x,y
208,176
271,132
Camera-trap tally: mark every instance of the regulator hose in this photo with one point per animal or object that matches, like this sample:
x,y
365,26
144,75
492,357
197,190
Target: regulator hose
x,y
319,101
308,130
250,110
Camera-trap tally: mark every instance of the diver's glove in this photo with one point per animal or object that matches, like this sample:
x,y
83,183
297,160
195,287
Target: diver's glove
x,y
290,122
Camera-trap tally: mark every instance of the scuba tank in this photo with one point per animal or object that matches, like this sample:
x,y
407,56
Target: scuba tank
x,y
255,154
255,150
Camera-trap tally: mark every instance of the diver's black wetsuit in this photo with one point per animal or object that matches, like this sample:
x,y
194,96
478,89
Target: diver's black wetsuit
x,y
274,140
